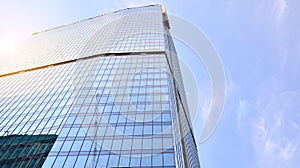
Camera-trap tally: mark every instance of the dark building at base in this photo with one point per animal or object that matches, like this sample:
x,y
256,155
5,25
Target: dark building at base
x,y
25,150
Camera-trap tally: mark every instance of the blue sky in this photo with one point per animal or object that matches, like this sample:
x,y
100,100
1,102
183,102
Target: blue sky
x,y
259,45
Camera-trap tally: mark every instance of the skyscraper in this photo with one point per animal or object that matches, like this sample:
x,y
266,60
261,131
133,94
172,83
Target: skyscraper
x,y
107,91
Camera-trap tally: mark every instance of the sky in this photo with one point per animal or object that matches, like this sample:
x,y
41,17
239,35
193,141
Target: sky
x,y
258,43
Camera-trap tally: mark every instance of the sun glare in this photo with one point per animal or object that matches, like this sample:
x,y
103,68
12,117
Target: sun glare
x,y
8,47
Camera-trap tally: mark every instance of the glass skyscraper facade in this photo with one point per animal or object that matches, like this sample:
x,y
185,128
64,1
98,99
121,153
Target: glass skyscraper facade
x,y
106,92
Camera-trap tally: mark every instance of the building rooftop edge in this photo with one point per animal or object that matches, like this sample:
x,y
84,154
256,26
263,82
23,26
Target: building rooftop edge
x,y
38,32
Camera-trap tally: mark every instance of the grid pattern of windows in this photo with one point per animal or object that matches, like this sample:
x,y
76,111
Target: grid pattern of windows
x,y
113,110
97,35
35,102
114,104
187,149
124,120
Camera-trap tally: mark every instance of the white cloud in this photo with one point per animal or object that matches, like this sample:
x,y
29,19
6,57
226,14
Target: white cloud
x,y
231,5
270,10
275,132
278,9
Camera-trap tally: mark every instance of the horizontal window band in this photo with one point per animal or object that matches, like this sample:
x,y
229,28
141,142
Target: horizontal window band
x,y
84,58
